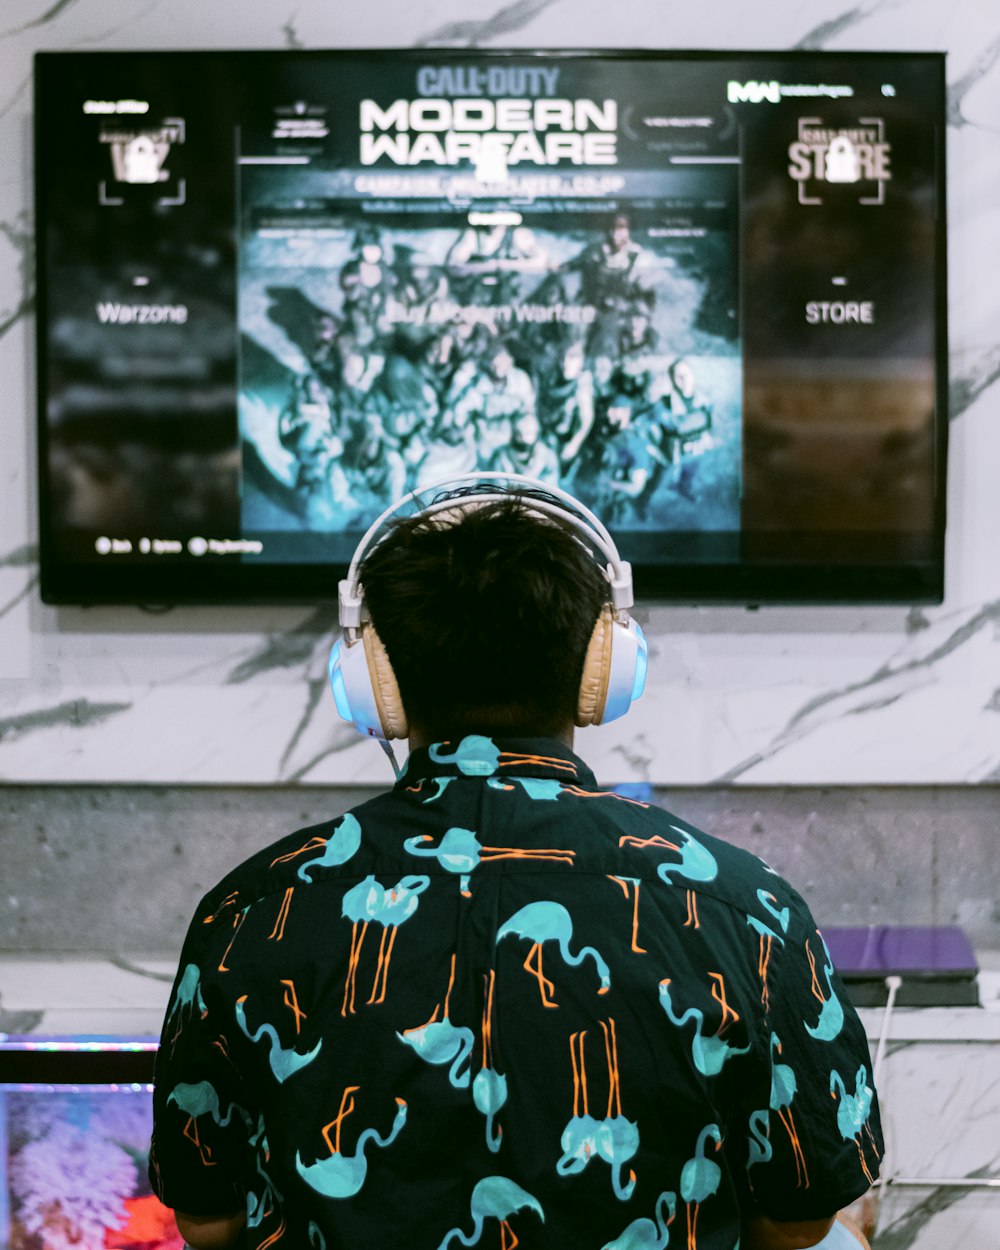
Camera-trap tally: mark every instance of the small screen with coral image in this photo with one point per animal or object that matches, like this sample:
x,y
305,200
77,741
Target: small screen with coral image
x,y
73,1169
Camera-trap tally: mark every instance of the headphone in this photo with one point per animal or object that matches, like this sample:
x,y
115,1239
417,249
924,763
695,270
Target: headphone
x,y
614,670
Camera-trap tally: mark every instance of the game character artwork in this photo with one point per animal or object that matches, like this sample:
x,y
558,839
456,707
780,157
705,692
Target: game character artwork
x,y
576,348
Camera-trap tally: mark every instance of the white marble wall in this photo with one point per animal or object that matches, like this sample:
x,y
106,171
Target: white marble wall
x,y
825,696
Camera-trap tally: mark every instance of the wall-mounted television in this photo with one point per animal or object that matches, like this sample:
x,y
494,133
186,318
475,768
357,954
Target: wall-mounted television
x,y
703,291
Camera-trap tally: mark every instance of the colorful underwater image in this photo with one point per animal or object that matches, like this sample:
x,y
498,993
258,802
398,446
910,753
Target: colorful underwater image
x,y
74,1171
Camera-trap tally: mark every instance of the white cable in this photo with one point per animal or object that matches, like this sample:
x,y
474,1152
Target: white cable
x,y
892,985
387,748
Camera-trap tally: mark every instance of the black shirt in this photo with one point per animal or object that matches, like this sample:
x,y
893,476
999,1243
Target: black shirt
x,y
499,995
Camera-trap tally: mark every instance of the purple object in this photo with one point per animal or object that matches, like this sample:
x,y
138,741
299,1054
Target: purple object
x,y
917,950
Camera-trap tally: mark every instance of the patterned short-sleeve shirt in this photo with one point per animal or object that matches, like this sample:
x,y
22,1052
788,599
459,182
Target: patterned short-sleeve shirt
x,y
501,1005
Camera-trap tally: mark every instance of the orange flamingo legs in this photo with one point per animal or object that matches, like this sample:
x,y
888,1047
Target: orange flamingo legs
x,y
719,994
291,1001
487,1028
788,1120
579,1073
636,948
237,925
346,1107
692,1225
763,961
536,971
505,1232
203,1150
629,839
278,932
275,1236
614,1083
382,967
357,941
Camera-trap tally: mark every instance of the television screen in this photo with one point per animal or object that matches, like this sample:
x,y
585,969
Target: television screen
x,y
703,292
75,1122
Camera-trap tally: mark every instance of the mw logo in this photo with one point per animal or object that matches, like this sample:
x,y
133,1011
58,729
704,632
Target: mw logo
x,y
753,92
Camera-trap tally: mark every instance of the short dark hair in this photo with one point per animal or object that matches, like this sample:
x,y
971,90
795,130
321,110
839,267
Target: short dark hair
x,y
485,618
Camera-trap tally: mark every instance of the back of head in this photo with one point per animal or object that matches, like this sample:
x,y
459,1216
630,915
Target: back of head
x,y
485,613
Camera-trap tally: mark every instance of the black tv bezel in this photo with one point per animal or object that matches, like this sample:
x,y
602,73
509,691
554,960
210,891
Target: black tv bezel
x,y
44,1060
747,584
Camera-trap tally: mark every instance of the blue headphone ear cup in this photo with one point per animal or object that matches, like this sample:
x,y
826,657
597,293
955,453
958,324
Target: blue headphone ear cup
x,y
614,670
365,688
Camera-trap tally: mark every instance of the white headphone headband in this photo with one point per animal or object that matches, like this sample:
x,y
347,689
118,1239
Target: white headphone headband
x,y
545,498
614,667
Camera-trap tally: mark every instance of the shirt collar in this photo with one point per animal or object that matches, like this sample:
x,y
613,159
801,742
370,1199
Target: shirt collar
x,y
477,756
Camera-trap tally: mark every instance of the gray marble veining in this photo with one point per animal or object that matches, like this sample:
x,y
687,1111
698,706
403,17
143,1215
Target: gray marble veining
x,y
840,23
889,683
471,32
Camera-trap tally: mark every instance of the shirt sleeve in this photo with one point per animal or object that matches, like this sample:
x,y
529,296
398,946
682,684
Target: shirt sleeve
x,y
202,1118
817,1143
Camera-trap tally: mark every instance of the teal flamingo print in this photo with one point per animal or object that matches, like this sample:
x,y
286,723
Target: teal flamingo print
x,y
494,1198
475,756
759,1143
617,1142
546,921
196,1100
440,1042
186,998
770,905
460,851
579,1144
341,846
358,905
831,1017
697,864
440,784
853,1111
767,936
712,1052
284,1061
390,907
615,1139
783,1090
489,1093
700,1179
764,930
489,1088
259,1207
643,1233
579,1137
540,788
337,849
340,1175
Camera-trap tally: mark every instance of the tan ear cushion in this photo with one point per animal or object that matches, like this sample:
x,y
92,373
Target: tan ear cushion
x,y
388,700
596,671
